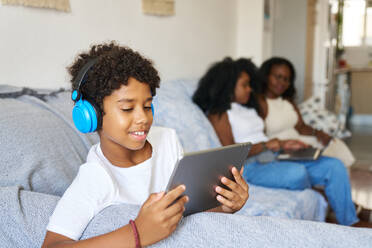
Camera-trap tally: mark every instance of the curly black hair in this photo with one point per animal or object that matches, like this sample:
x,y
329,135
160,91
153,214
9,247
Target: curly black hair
x,y
216,88
265,71
251,69
114,65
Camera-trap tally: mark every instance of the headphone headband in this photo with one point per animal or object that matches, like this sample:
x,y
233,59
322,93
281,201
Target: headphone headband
x,y
80,78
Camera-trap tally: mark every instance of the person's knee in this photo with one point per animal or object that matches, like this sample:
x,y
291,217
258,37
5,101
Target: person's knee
x,y
335,166
298,178
249,170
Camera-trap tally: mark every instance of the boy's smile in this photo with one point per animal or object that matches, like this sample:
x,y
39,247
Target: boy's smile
x,y
139,135
126,122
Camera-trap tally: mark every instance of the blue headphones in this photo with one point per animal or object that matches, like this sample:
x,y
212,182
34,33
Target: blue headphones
x,y
86,114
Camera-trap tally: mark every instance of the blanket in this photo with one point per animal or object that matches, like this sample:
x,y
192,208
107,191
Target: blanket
x,y
24,216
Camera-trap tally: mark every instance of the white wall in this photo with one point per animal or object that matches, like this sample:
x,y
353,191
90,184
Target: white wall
x,y
267,49
289,37
250,29
37,44
322,51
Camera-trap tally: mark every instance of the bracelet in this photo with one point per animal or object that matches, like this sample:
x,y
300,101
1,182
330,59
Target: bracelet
x,y
136,236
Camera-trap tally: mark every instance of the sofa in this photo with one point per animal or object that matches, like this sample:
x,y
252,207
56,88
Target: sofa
x,y
41,152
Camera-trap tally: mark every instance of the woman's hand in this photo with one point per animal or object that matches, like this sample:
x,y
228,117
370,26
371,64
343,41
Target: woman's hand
x,y
234,199
293,145
273,145
323,137
158,217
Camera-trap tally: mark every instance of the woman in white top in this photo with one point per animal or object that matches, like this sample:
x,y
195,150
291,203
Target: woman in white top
x,y
278,104
282,117
283,120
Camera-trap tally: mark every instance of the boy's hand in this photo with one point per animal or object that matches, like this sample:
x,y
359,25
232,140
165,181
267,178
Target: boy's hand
x,y
157,219
234,199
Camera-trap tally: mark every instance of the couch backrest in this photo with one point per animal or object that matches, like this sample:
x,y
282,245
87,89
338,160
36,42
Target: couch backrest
x,y
174,108
41,150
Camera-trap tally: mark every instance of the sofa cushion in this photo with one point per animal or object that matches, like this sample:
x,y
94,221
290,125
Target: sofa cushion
x,y
174,108
40,150
61,105
317,117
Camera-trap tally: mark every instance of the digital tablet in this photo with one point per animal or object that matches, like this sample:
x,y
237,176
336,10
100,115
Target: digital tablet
x,y
202,171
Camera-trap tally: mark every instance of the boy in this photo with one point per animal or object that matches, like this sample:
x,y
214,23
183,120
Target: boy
x,y
131,161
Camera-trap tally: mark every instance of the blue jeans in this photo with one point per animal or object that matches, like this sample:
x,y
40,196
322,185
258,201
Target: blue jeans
x,y
326,171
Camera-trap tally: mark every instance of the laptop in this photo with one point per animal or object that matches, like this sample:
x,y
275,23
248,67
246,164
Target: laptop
x,y
309,153
202,171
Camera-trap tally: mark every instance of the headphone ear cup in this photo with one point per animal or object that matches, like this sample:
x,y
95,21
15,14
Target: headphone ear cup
x,y
85,116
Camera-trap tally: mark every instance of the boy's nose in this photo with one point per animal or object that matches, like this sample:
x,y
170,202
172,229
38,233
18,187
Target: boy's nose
x,y
141,117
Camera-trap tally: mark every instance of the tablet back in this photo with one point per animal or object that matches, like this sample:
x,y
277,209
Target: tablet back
x,y
202,171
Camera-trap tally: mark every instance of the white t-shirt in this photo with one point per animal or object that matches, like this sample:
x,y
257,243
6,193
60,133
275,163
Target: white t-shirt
x,y
246,125
100,184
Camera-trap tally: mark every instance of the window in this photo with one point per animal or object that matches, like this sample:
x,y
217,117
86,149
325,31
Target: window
x,y
369,24
357,23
